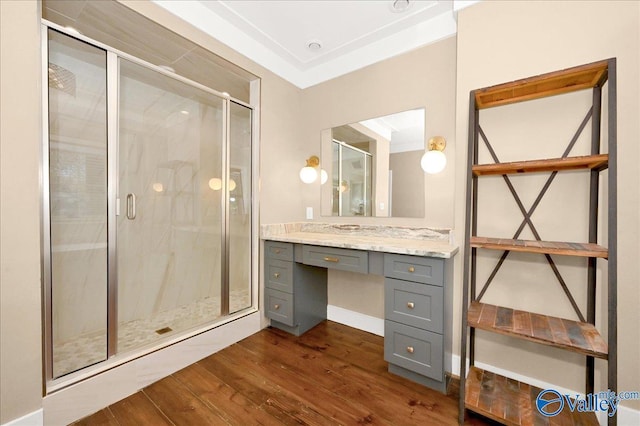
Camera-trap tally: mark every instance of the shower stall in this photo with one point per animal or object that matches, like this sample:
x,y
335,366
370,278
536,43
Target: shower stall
x,y
147,205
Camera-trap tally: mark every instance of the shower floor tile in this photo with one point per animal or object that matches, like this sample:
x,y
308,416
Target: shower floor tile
x,y
90,349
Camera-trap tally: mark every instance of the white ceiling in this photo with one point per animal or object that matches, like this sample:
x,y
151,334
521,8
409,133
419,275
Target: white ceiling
x,y
352,33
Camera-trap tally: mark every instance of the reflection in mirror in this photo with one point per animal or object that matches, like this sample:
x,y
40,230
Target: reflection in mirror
x,y
351,180
375,167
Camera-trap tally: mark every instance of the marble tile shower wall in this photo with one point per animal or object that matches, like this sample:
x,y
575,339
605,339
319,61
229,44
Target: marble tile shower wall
x,y
169,256
80,299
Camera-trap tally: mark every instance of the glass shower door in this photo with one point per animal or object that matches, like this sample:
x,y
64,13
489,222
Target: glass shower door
x,y
170,222
239,207
77,204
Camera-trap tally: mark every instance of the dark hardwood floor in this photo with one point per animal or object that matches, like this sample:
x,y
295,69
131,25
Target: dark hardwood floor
x,y
331,375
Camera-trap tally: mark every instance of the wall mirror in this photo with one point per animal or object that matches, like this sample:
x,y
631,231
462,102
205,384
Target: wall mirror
x,y
374,167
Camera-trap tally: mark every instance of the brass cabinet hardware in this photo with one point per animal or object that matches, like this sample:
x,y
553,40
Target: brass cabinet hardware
x,y
331,259
276,274
276,306
411,305
278,251
412,269
410,349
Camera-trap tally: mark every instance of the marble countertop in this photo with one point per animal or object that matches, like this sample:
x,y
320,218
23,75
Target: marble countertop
x,y
388,239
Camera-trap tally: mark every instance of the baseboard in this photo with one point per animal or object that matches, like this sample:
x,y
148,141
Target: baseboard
x,y
32,419
356,320
626,415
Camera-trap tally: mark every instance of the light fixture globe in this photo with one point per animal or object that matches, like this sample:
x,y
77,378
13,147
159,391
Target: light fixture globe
x,y
308,174
215,184
433,162
323,176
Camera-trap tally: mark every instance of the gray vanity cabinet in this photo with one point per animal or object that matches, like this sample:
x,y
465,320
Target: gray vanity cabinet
x,y
415,340
295,294
417,301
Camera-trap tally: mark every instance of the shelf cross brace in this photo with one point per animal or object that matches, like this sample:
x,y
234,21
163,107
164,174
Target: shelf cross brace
x,y
527,214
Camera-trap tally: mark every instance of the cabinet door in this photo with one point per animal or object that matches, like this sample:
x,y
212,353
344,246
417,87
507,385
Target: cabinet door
x,y
278,250
425,270
279,275
417,350
418,305
279,306
336,258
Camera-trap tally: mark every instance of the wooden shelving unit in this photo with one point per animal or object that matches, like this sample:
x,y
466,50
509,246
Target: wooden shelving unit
x,y
559,332
541,86
544,247
597,162
503,399
512,402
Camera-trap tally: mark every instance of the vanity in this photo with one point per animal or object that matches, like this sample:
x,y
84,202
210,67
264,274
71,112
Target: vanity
x,y
417,267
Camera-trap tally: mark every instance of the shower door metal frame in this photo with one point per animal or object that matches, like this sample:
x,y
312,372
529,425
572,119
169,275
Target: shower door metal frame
x,y
113,209
367,180
113,104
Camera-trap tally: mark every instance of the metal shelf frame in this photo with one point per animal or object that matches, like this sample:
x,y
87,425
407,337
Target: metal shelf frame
x,y
590,76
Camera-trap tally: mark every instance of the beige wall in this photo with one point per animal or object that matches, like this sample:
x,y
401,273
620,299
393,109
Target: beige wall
x,y
20,319
500,41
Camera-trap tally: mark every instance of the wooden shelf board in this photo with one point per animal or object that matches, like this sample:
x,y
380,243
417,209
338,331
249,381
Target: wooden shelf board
x,y
598,162
544,247
562,333
550,84
512,402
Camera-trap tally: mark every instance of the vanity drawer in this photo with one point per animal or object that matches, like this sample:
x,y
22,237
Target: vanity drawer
x,y
336,258
278,250
279,306
414,268
279,275
416,350
418,305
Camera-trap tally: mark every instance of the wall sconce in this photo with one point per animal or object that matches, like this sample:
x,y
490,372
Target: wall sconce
x,y
433,161
309,174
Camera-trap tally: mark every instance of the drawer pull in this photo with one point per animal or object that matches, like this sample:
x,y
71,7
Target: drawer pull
x,y
410,349
277,251
331,259
411,305
276,274
412,269
276,306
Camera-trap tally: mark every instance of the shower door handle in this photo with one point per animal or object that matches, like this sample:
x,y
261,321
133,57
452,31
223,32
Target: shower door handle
x,y
131,206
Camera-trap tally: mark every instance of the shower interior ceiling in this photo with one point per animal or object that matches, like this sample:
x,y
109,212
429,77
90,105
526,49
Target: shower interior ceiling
x,y
115,25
